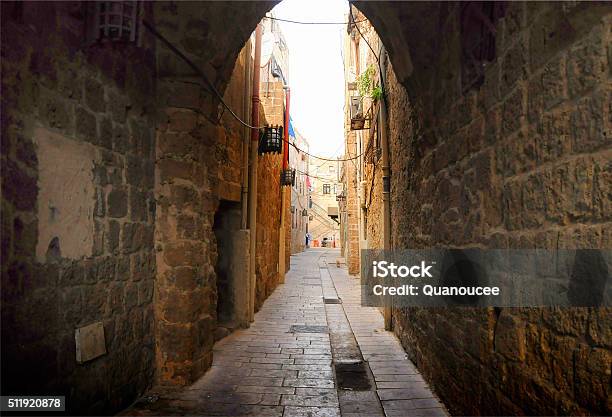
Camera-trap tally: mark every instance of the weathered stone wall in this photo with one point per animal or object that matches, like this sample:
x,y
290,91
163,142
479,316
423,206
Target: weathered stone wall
x,y
269,197
352,206
186,249
288,232
199,164
86,193
374,204
522,161
272,97
77,207
268,226
545,101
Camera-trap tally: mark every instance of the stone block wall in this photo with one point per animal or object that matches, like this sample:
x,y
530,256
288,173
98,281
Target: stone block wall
x,y
77,207
374,203
273,100
352,208
268,226
114,158
199,164
288,232
522,161
186,248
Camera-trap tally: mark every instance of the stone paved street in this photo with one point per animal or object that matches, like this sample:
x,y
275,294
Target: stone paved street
x,y
274,369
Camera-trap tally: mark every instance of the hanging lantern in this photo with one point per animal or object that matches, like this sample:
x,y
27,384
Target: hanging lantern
x,y
271,140
304,213
288,176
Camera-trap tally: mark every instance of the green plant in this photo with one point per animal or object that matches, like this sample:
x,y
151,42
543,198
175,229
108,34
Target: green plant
x,y
365,84
377,93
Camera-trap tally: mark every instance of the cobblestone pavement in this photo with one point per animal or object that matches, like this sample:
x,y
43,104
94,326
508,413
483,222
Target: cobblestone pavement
x,y
303,357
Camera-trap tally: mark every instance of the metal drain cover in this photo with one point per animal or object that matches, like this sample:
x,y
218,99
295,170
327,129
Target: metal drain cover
x,y
352,376
297,328
330,300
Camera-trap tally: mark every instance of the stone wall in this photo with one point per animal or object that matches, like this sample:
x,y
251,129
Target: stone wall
x,y
269,199
77,207
352,207
114,159
288,231
545,101
268,226
374,204
522,161
199,164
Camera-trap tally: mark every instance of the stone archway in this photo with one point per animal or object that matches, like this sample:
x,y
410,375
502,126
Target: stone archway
x,y
462,143
478,166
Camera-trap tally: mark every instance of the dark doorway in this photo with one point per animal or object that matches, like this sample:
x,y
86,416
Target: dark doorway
x,y
227,222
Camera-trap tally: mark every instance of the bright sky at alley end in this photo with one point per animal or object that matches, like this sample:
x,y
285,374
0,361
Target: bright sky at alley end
x,y
316,72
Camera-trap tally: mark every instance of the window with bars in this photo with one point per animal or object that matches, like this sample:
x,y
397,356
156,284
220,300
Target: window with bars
x,y
116,20
478,32
326,188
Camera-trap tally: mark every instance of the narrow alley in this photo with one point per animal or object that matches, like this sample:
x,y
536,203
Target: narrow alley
x,y
306,208
312,351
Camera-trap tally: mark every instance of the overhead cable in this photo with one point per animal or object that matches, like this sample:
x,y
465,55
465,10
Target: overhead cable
x,y
311,23
220,97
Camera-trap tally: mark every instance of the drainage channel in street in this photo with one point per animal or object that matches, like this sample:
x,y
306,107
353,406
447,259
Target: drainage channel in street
x,y
354,379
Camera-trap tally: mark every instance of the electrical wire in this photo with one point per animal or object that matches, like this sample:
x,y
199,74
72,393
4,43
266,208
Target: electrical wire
x,y
334,152
326,159
310,23
382,85
316,177
220,97
197,70
361,34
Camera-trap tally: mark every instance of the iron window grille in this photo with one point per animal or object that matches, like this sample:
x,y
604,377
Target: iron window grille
x,y
478,33
271,140
326,189
116,20
288,176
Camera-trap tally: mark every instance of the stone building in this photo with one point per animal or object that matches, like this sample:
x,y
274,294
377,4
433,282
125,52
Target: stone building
x,y
323,205
361,173
122,184
507,148
274,249
115,163
300,192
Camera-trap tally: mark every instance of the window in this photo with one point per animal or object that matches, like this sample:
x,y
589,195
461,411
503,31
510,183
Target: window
x,y
115,20
335,188
332,168
326,188
478,32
